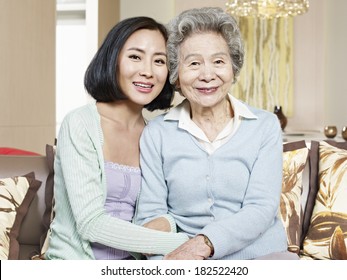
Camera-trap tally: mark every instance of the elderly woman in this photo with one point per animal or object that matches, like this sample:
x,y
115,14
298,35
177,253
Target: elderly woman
x,y
213,163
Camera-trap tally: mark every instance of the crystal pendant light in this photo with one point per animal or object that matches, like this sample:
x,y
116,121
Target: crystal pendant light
x,y
267,8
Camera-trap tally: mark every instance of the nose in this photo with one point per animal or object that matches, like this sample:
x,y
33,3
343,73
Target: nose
x,y
146,69
207,73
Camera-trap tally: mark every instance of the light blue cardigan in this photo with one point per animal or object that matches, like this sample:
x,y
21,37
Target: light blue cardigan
x,y
80,192
231,196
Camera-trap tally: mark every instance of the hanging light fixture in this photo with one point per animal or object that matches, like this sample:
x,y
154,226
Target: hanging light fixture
x,y
267,8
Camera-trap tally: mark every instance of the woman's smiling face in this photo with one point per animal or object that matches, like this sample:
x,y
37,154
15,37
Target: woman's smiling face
x,y
142,66
205,73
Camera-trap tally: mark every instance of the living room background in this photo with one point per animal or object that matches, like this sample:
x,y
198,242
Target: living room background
x,y
31,106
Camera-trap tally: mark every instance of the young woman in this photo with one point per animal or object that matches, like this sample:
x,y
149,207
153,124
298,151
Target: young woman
x,y
97,174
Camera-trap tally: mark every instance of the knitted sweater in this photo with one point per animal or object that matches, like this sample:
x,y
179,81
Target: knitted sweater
x,y
80,193
232,196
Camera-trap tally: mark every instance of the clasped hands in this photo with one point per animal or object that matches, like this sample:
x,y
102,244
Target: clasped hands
x,y
193,249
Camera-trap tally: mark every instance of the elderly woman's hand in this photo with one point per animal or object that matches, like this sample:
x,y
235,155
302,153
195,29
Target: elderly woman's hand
x,y
193,249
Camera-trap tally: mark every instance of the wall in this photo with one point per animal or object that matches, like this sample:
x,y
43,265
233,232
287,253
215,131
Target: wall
x,y
309,76
181,5
27,74
320,45
335,63
108,16
160,10
28,67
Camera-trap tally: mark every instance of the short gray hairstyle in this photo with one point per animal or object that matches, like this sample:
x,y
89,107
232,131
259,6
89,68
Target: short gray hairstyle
x,y
207,19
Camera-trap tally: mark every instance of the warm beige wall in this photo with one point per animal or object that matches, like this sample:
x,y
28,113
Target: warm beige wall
x,y
27,67
181,5
320,66
101,16
108,15
309,77
27,74
335,65
160,10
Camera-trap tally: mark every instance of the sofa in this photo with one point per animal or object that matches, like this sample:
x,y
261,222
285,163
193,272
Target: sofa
x,y
313,200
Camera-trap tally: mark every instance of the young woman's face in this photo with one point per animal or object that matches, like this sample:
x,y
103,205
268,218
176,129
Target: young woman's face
x,y
205,72
142,66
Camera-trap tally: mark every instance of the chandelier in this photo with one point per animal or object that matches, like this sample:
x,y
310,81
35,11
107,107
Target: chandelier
x,y
266,8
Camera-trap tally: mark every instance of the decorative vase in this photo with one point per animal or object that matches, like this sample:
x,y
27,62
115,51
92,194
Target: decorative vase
x,y
330,131
281,117
344,133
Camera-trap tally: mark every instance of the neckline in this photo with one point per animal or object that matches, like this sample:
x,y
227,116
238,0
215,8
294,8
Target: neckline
x,y
122,167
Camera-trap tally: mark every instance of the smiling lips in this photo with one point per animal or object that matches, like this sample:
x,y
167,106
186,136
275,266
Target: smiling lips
x,y
143,87
206,90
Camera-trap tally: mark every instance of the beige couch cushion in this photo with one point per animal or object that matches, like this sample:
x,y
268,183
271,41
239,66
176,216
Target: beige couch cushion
x,y
326,236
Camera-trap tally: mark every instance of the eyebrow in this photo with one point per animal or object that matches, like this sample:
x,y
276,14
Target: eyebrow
x,y
196,54
142,51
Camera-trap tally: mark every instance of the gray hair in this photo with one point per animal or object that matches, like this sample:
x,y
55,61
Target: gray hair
x,y
203,20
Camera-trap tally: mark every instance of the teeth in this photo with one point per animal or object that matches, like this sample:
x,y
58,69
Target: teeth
x,y
208,89
142,85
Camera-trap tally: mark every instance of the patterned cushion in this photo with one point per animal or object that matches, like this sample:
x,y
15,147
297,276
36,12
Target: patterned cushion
x,y
327,234
295,156
16,194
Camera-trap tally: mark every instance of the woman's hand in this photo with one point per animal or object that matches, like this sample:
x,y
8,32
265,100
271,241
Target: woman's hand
x,y
160,223
193,249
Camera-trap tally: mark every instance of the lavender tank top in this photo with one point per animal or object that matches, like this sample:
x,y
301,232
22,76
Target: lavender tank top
x,y
123,185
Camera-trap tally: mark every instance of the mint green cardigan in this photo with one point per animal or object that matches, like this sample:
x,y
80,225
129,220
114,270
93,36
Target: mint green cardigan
x,y
80,193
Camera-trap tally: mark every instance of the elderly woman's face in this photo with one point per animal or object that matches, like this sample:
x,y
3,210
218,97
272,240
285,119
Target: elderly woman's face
x,y
205,72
